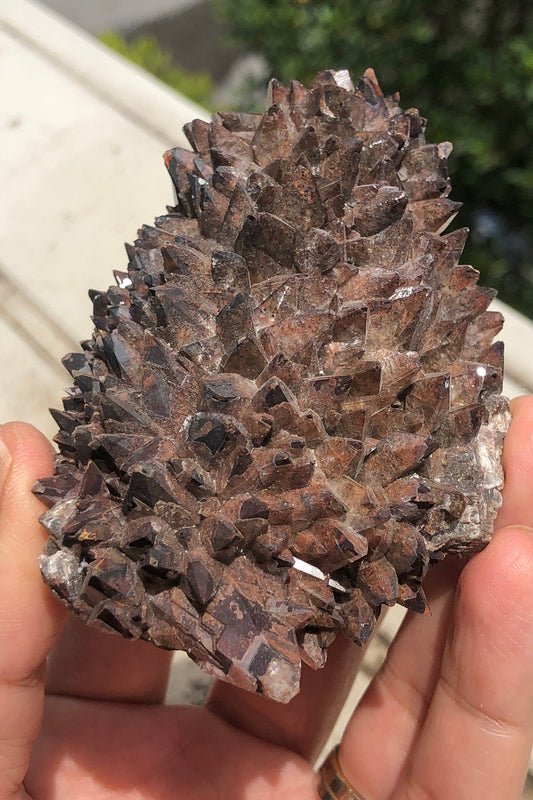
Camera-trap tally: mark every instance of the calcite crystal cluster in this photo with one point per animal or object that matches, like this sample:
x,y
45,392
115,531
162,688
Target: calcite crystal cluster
x,y
289,407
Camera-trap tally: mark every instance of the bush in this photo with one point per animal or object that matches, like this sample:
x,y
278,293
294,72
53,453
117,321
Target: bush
x,y
467,66
147,53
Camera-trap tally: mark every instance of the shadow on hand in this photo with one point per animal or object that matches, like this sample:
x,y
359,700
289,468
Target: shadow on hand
x,y
92,749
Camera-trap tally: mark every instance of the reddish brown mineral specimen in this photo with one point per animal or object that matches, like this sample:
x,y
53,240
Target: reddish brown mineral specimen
x,y
289,406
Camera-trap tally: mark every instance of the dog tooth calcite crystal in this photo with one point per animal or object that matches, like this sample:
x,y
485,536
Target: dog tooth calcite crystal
x,y
289,407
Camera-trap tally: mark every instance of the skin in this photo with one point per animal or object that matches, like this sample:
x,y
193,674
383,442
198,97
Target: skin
x,y
448,717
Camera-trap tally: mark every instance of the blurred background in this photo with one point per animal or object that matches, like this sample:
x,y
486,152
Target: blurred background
x,y
468,67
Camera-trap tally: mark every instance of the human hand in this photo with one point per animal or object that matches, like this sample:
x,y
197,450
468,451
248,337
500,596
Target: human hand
x,y
450,714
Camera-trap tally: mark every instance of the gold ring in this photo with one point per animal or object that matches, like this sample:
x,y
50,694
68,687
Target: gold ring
x,y
333,785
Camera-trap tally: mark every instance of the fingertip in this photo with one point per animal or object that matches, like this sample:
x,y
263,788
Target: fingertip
x,y
512,556
28,457
509,556
521,423
523,404
21,535
496,587
517,461
27,445
30,616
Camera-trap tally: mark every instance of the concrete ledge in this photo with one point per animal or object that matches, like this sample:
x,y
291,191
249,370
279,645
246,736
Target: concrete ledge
x,y
157,108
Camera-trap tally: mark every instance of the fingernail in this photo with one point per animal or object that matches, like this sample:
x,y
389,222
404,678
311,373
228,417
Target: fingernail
x,y
519,527
5,464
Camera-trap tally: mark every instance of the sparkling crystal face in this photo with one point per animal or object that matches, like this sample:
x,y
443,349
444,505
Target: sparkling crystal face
x,y
289,408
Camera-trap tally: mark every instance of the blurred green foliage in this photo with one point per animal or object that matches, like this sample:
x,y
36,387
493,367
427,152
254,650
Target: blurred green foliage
x,y
147,53
468,67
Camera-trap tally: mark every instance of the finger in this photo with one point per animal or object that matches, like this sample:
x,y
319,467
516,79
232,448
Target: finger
x,y
378,738
100,666
30,618
478,732
517,508
303,724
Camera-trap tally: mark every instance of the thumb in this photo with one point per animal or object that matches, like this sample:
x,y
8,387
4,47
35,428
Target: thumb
x,y
30,617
